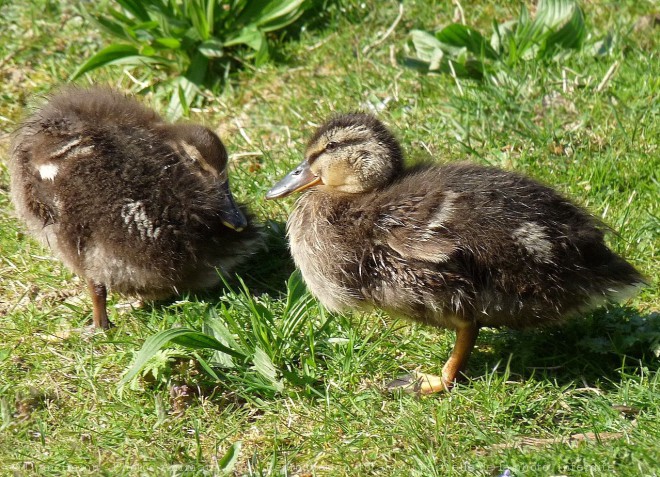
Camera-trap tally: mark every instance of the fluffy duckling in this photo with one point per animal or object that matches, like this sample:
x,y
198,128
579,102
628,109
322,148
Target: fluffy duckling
x,y
458,246
126,200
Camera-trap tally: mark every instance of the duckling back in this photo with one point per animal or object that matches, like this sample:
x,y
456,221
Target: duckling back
x,y
125,199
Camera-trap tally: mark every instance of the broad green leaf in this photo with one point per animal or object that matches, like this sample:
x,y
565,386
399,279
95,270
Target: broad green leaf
x,y
462,36
150,25
187,87
250,36
171,26
279,14
261,56
501,35
572,32
212,49
441,57
425,44
562,18
196,72
114,28
117,15
215,327
136,8
171,43
115,54
198,340
415,64
265,367
182,336
176,108
147,50
279,8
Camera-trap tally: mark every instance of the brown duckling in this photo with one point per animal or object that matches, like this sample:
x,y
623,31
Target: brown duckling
x,y
458,246
126,200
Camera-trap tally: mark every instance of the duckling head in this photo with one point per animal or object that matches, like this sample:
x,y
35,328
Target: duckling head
x,y
205,150
351,153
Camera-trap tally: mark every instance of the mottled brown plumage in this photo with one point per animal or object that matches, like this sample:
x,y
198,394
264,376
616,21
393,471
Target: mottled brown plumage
x,y
458,246
125,199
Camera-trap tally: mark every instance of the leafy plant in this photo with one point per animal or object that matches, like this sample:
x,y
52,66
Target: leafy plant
x,y
195,41
463,51
252,348
625,332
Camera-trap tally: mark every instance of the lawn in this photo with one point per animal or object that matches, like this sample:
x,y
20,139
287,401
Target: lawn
x,y
581,400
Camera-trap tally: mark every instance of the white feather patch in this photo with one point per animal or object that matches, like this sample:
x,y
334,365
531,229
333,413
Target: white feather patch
x,y
48,171
533,239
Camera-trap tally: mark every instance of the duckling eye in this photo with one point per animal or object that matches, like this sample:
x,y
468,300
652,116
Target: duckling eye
x,y
331,145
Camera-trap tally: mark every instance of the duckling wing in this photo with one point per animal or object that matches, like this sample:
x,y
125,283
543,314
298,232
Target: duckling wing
x,y
416,229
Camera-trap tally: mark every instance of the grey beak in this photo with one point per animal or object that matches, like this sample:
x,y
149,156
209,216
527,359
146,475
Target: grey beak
x,y
230,214
298,179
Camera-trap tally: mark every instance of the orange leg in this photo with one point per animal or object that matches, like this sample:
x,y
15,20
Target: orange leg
x,y
99,294
465,340
422,383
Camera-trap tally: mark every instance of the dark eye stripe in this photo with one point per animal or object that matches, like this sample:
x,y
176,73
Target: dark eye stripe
x,y
314,156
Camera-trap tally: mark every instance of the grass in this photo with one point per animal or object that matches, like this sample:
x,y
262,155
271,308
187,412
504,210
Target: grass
x,y
579,400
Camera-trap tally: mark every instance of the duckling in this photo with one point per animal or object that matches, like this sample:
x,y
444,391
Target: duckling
x,y
127,201
457,246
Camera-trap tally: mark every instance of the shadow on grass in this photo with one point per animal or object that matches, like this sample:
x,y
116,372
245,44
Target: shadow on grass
x,y
265,272
591,350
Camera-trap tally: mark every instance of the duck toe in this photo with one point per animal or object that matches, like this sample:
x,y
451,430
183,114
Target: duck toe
x,y
420,383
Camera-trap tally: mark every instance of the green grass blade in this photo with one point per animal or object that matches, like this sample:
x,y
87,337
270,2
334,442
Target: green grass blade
x,y
197,15
210,17
228,461
296,290
206,366
182,101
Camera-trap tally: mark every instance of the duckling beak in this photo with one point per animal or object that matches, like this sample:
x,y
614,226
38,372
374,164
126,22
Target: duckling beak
x,y
298,179
230,214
